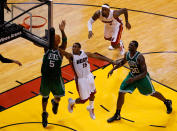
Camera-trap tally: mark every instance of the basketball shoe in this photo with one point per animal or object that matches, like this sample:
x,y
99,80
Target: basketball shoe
x,y
91,111
54,106
44,119
168,104
115,117
111,48
70,105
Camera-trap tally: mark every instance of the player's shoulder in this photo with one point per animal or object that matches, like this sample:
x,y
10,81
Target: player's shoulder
x,y
140,56
97,12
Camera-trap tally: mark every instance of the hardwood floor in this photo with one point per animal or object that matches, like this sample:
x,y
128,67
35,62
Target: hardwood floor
x,y
153,32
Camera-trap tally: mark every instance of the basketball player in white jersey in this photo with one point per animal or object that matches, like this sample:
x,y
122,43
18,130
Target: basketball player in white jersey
x,y
113,25
83,77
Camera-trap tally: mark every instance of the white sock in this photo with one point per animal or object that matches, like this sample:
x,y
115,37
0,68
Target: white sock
x,y
91,104
74,101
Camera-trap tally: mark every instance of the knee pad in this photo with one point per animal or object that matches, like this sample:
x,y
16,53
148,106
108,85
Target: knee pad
x,y
45,99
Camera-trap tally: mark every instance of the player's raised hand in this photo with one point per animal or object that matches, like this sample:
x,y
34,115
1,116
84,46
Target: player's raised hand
x,y
90,34
128,26
62,25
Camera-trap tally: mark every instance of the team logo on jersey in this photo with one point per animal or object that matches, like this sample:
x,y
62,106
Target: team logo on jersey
x,y
132,64
52,56
81,60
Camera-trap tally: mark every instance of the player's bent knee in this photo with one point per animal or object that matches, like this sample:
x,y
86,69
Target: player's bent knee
x,y
83,101
45,99
108,38
121,93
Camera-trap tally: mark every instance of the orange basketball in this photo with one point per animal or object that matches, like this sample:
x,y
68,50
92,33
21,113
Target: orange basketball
x,y
57,39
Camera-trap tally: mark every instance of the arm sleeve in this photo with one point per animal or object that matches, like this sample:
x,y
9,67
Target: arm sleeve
x,y
90,22
5,60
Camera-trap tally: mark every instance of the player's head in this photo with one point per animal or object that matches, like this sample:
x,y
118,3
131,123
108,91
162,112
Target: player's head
x,y
105,10
57,40
76,48
133,46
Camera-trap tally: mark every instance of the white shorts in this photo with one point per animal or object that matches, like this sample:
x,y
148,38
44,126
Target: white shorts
x,y
113,31
86,86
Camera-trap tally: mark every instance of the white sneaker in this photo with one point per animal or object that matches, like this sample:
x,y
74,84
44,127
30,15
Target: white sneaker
x,y
122,49
110,47
91,111
70,105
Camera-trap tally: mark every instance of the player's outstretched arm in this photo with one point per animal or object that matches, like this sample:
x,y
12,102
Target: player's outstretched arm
x,y
99,57
64,37
124,11
118,63
91,21
17,62
6,60
69,56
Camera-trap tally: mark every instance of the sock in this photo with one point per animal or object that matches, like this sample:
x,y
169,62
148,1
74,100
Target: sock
x,y
74,101
91,104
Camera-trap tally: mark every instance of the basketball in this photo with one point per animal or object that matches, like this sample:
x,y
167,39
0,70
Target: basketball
x,y
57,39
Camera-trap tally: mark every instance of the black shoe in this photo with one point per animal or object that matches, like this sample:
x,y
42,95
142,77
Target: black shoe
x,y
54,106
168,104
44,119
115,117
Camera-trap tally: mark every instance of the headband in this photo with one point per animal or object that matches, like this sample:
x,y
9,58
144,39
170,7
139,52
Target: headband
x,y
105,6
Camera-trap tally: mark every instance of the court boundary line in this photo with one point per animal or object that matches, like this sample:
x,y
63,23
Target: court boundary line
x,y
72,80
71,93
36,123
145,12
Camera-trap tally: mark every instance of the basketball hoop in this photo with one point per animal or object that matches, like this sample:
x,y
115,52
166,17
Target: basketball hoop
x,y
27,26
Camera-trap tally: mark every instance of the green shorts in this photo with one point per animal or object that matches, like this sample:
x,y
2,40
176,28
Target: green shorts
x,y
56,86
144,85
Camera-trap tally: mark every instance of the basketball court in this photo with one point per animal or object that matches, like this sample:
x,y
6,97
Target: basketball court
x,y
154,25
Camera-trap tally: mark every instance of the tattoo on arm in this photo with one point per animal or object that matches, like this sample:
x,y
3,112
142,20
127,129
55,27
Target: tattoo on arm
x,y
117,13
96,15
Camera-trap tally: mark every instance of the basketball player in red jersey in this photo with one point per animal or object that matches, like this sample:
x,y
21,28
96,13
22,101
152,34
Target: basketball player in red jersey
x,y
113,25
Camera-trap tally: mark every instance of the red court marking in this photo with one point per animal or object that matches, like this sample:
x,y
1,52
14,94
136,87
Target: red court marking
x,y
23,92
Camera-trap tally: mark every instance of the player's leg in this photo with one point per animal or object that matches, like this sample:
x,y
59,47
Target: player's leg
x,y
146,88
167,102
124,88
44,91
44,113
116,37
108,31
58,91
92,91
83,97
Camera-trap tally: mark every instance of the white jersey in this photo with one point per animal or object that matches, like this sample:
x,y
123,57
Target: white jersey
x,y
81,65
110,19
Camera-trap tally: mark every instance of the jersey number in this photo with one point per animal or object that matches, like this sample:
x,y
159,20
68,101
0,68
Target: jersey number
x,y
84,65
52,63
135,70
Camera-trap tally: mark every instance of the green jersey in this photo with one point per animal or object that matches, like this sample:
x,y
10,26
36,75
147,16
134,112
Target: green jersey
x,y
134,65
51,66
